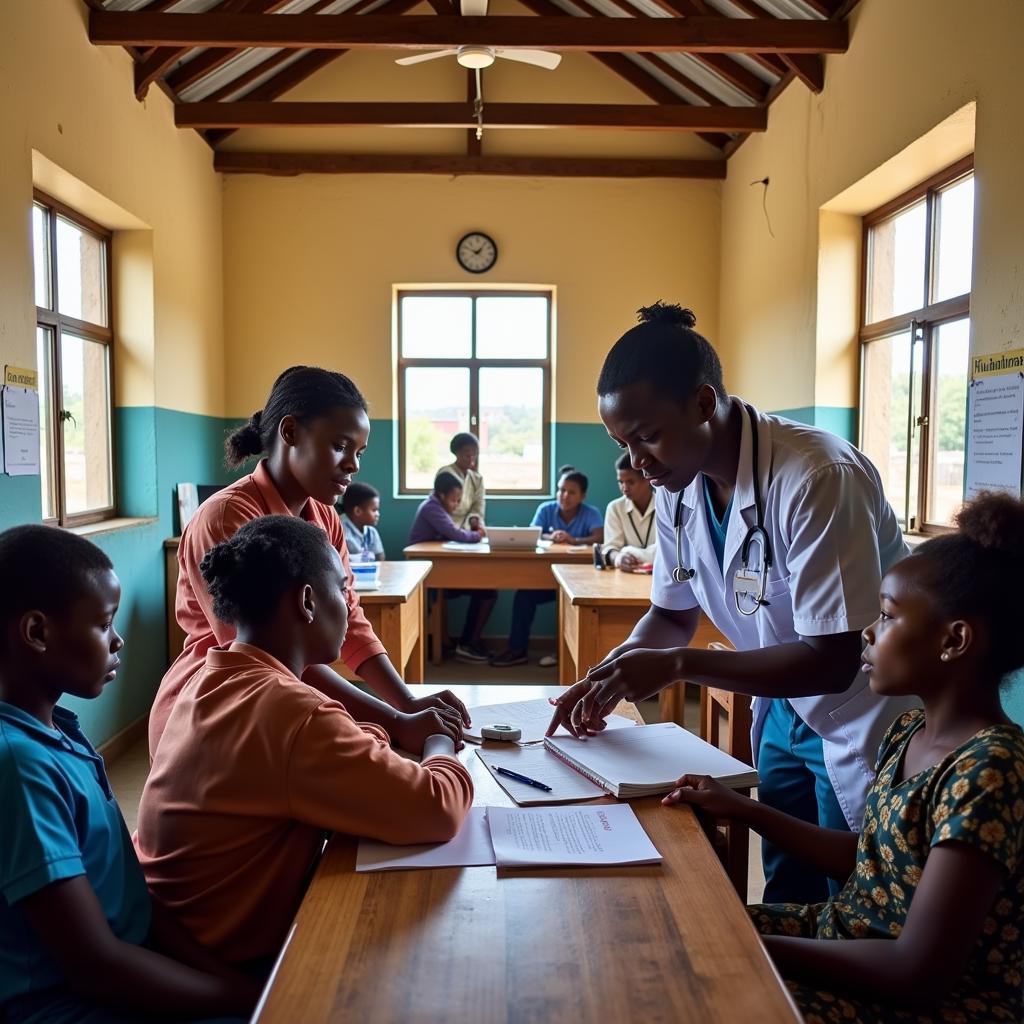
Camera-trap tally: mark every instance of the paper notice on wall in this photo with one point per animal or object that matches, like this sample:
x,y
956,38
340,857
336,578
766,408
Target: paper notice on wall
x,y
20,410
995,429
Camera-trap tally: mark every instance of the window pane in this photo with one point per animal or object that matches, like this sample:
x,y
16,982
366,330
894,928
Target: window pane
x,y
436,407
896,257
81,274
954,240
948,420
885,411
41,255
47,455
512,327
437,327
512,428
86,414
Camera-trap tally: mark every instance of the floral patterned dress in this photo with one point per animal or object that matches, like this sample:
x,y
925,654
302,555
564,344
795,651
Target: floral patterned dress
x,y
975,795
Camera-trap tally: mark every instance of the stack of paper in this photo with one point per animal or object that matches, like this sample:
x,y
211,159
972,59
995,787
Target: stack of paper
x,y
648,760
511,837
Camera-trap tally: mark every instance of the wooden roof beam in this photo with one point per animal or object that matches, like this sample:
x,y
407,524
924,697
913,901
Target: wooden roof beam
x,y
640,117
706,35
288,164
808,67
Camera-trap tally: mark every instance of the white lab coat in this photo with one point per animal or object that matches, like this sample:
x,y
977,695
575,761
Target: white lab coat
x,y
834,536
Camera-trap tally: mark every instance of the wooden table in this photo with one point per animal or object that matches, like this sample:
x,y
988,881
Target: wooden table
x,y
396,613
659,943
488,570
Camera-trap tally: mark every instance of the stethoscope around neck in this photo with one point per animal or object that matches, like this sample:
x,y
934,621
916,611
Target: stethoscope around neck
x,y
749,583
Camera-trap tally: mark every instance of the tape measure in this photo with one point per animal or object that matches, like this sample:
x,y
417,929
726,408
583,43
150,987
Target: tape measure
x,y
505,733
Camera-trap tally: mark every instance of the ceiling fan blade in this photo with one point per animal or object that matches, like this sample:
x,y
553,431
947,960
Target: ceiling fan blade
x,y
473,8
419,58
538,58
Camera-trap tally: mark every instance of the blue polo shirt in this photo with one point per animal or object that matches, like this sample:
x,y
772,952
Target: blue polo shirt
x,y
549,518
60,820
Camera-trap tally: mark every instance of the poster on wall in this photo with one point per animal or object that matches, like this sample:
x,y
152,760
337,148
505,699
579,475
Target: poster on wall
x,y
995,428
19,408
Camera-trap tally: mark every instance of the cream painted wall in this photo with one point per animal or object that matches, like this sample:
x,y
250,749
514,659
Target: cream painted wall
x,y
310,263
911,64
73,103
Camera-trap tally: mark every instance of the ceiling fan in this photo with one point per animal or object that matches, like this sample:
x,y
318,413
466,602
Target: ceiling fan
x,y
478,57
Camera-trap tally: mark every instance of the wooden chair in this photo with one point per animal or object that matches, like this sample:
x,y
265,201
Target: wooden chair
x,y
735,846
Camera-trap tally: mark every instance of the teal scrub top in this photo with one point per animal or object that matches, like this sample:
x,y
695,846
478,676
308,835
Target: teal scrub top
x,y
60,820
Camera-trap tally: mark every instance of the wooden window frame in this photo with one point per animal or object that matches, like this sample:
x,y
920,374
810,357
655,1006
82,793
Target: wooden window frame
x,y
56,323
474,365
922,324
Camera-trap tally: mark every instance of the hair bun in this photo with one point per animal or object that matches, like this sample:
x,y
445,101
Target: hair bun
x,y
995,522
256,419
666,313
562,470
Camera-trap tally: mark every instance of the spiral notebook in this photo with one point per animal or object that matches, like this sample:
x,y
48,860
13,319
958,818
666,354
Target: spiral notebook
x,y
649,759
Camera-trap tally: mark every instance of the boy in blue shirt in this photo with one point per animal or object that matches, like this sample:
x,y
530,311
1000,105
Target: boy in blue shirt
x,y
566,520
75,915
360,516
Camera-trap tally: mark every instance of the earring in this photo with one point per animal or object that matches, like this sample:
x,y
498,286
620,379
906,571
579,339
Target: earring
x,y
944,655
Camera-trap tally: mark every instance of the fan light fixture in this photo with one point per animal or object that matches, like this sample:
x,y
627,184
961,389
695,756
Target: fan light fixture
x,y
475,57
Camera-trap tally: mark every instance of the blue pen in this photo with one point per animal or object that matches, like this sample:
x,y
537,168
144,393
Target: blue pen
x,y
522,778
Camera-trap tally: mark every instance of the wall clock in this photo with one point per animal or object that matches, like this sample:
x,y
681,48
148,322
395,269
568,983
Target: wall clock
x,y
476,252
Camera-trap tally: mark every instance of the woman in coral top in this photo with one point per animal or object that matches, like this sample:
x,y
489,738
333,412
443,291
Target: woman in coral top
x,y
255,764
313,432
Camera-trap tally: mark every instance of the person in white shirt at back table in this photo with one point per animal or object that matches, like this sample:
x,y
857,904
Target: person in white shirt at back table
x,y
469,515
629,535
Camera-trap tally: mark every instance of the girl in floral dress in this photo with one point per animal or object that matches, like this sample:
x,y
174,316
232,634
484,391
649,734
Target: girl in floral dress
x,y
934,883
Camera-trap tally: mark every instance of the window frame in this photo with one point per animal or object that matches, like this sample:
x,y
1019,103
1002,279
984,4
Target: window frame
x,y
474,364
56,323
922,324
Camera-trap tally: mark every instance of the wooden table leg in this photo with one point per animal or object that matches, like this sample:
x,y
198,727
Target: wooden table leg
x,y
414,668
672,703
436,619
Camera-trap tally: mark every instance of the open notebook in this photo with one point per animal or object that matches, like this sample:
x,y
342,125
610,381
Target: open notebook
x,y
649,759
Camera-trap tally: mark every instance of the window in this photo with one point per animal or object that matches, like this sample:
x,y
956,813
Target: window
x,y
74,343
476,361
915,332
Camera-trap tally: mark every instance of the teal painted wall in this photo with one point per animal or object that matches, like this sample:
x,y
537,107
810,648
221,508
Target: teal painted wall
x,y
156,448
834,418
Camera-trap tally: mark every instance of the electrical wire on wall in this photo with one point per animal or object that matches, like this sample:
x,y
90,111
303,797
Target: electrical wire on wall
x,y
764,202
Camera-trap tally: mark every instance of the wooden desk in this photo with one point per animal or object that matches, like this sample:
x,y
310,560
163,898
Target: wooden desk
x,y
489,570
597,610
659,943
395,612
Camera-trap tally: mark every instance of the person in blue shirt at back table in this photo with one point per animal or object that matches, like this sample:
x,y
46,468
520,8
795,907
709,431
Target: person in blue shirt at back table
x,y
80,941
566,520
434,522
360,506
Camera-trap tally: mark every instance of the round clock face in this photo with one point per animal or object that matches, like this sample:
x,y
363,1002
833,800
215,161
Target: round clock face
x,y
476,252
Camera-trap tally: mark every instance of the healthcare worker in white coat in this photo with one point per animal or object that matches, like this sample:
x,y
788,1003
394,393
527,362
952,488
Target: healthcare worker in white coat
x,y
781,534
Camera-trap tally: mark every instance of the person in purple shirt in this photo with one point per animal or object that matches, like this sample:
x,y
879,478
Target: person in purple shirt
x,y
434,522
567,520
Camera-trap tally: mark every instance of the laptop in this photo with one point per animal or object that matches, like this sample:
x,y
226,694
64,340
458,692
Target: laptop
x,y
520,538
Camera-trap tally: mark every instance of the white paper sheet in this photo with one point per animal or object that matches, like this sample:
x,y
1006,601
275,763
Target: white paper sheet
x,y
538,763
21,431
605,834
458,545
994,434
531,716
472,846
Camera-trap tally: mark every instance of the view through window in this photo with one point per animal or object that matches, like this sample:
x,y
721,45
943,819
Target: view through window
x,y
477,362
74,340
915,338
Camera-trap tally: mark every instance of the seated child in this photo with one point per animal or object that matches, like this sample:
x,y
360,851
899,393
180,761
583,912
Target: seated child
x,y
629,540
469,513
434,522
360,516
79,939
255,765
566,520
930,915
